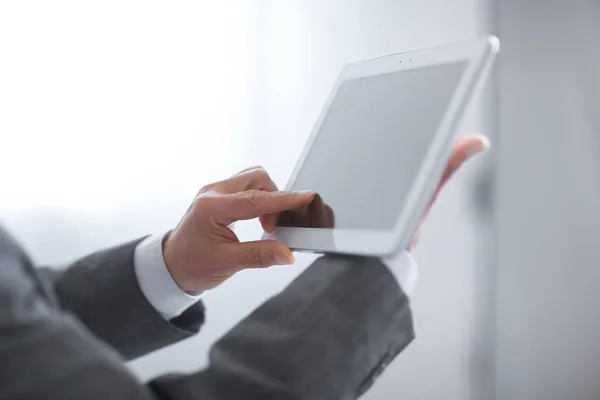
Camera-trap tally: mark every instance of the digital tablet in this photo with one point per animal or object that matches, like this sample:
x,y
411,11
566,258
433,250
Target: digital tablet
x,y
380,146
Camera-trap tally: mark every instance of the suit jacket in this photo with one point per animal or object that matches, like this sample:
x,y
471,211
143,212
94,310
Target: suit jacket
x,y
67,334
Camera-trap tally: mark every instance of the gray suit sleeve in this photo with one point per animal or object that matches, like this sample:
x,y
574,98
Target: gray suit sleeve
x,y
326,336
102,291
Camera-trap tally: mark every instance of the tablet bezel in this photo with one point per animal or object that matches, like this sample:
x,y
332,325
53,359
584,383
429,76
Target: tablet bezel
x,y
478,53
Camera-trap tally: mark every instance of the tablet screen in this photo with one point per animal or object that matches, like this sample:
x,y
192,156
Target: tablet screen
x,y
370,146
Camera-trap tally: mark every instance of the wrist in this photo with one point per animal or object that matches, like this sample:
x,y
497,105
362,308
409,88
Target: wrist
x,y
177,273
156,282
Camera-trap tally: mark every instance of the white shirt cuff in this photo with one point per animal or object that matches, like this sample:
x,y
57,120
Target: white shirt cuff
x,y
404,268
156,282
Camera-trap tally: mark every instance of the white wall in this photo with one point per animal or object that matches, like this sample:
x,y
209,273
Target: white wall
x,y
120,108
549,200
306,44
124,109
113,114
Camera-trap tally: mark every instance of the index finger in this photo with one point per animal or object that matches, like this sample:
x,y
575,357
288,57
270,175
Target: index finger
x,y
254,203
255,178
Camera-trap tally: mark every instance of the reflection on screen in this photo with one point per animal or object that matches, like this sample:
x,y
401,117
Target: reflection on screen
x,y
370,145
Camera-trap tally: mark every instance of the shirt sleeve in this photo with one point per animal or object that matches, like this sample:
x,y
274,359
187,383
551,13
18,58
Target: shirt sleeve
x,y
170,301
156,282
404,268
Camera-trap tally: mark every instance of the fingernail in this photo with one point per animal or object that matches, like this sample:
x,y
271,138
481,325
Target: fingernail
x,y
306,192
283,257
484,145
485,142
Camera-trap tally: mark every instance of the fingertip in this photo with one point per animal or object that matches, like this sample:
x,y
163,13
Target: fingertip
x,y
268,228
465,148
485,142
478,144
305,197
307,193
284,256
268,222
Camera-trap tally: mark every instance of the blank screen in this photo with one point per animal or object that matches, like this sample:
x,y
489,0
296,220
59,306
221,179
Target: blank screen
x,y
370,146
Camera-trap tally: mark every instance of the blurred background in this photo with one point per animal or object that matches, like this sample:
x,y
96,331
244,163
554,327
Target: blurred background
x,y
113,114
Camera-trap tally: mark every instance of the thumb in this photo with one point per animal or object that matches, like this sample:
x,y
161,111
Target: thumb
x,y
260,254
464,148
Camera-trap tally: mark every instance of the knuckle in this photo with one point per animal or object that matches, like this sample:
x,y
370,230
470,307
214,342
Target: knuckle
x,y
202,203
261,171
252,198
257,258
261,175
211,187
250,169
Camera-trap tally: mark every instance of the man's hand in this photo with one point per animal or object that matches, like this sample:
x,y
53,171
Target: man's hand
x,y
202,252
464,148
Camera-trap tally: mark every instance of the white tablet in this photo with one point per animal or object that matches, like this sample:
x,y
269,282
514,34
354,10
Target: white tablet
x,y
380,147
